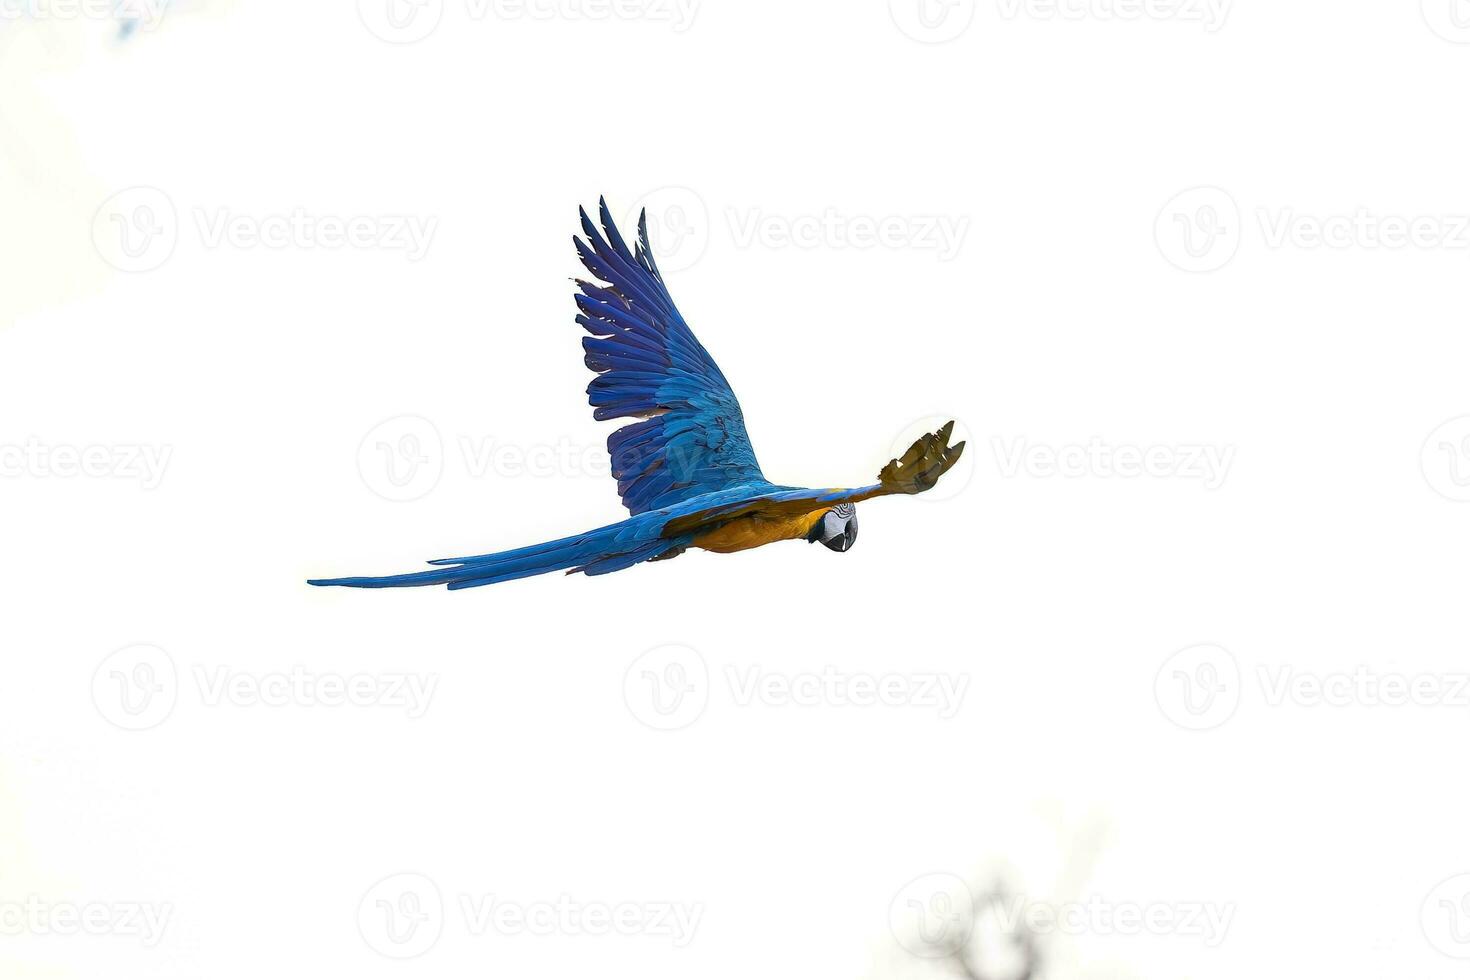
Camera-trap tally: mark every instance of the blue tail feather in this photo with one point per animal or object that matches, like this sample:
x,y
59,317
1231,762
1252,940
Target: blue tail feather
x,y
598,552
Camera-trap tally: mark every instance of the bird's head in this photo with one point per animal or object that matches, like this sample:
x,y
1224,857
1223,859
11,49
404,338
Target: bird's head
x,y
837,529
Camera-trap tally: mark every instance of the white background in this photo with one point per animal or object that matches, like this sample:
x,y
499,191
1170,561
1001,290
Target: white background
x,y
1095,299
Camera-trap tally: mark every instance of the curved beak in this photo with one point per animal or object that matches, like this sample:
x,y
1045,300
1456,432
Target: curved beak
x,y
849,536
834,532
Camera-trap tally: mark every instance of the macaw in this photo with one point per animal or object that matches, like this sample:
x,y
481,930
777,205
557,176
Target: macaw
x,y
686,471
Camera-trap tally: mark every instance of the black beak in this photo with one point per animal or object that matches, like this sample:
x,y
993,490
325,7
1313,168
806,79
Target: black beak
x,y
834,532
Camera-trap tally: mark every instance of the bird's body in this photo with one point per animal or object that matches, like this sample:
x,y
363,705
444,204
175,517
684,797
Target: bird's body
x,y
686,471
754,530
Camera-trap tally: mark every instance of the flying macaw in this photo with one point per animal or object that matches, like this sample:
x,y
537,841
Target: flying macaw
x,y
686,471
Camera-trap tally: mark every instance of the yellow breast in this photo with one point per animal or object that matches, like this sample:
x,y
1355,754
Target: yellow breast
x,y
755,530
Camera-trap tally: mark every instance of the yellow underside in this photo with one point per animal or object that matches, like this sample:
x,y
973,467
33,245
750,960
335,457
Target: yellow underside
x,y
756,530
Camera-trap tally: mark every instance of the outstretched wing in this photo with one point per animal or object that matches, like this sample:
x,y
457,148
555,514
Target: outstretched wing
x,y
650,366
917,470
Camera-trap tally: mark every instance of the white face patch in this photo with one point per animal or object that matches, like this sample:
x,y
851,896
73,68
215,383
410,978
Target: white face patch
x,y
838,527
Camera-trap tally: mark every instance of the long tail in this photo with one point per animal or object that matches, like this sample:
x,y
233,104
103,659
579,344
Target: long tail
x,y
607,549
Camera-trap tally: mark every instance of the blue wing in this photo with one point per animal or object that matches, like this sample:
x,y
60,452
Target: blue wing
x,y
691,439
